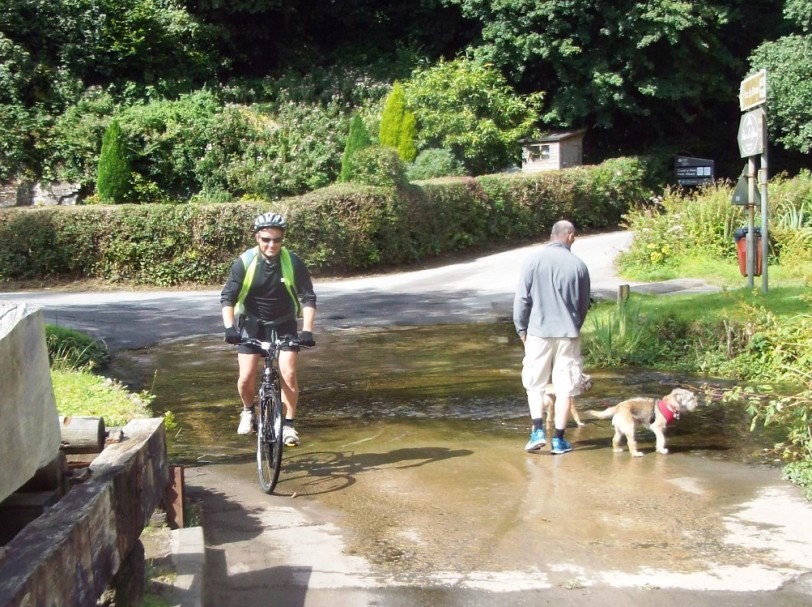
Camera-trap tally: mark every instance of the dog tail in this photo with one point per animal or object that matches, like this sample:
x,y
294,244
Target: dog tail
x,y
605,414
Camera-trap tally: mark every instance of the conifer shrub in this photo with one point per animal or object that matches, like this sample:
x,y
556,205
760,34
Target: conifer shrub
x,y
358,139
114,174
398,125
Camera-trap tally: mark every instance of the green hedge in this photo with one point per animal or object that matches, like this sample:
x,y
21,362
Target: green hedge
x,y
343,228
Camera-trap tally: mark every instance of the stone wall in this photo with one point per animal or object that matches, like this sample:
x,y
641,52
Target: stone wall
x,y
25,193
30,436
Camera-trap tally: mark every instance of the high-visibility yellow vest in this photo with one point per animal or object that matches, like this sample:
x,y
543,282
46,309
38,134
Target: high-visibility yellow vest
x,y
249,261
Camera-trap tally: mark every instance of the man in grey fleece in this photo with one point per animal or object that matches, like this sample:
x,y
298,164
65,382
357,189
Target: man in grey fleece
x,y
549,309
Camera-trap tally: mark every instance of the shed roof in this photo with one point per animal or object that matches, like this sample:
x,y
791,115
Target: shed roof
x,y
553,136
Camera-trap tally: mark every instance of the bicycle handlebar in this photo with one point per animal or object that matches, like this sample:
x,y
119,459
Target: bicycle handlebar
x,y
268,346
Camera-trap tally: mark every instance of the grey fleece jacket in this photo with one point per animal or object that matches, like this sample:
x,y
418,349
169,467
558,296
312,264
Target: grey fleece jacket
x,y
552,297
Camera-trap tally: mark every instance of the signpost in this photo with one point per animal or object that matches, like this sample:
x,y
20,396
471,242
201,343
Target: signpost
x,y
753,91
751,133
752,140
693,171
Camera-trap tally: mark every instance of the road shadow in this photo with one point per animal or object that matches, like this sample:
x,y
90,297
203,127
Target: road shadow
x,y
323,472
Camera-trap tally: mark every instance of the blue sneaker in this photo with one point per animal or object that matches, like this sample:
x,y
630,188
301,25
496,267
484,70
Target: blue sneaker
x,y
560,445
537,440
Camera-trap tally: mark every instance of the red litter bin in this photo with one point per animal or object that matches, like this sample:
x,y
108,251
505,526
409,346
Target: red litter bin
x,y
740,236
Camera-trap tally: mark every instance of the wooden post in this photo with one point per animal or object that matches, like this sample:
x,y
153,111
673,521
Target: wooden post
x,y
173,500
82,434
622,293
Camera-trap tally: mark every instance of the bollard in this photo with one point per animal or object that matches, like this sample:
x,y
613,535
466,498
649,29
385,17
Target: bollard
x,y
622,293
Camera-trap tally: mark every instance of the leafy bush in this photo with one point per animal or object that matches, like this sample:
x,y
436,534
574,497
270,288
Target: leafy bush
x,y
77,137
675,226
700,224
71,349
780,352
167,140
616,335
433,163
467,107
378,165
253,153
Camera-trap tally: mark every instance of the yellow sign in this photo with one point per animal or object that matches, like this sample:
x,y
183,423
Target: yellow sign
x,y
753,90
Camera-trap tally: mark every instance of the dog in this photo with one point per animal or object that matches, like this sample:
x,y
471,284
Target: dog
x,y
549,401
649,412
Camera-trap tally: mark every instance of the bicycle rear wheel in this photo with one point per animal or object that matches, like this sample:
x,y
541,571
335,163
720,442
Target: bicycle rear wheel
x,y
269,439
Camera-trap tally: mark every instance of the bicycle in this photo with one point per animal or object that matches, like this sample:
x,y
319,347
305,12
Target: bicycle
x,y
270,413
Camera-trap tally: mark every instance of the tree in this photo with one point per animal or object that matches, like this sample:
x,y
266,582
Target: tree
x,y
467,107
113,181
398,126
788,62
357,139
605,62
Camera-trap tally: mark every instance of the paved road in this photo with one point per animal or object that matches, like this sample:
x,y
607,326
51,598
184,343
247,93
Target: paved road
x,y
480,289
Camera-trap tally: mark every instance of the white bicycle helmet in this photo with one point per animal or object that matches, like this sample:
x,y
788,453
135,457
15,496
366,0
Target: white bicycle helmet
x,y
269,220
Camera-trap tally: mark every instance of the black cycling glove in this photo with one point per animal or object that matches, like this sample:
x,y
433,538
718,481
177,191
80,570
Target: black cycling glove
x,y
306,339
233,336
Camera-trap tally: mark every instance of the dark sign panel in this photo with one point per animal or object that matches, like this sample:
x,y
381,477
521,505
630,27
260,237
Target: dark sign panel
x,y
693,171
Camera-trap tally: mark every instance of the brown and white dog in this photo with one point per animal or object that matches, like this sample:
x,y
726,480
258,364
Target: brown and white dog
x,y
549,402
649,412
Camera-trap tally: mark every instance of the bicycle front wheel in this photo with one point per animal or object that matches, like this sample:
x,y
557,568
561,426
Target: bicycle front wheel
x,y
269,439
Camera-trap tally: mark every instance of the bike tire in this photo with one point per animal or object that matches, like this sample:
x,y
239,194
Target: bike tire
x,y
269,439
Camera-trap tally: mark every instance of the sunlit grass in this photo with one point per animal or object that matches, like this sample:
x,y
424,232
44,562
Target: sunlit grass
x,y
83,393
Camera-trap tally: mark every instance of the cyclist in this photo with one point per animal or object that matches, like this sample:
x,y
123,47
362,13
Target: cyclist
x,y
267,289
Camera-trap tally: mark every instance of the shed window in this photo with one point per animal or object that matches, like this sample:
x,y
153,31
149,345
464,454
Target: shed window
x,y
540,152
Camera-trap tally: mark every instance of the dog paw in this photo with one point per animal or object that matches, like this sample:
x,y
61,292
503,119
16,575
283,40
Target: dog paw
x,y
637,454
580,424
663,451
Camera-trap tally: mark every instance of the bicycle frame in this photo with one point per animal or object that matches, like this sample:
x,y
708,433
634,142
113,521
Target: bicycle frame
x,y
269,416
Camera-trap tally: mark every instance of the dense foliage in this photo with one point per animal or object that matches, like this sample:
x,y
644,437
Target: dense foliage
x,y
678,226
608,61
467,107
71,349
788,62
283,82
342,228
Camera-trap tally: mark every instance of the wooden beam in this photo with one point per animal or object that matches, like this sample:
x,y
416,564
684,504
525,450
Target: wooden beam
x,y
70,554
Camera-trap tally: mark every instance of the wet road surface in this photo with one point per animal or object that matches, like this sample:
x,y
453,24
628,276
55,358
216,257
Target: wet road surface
x,y
445,508
412,486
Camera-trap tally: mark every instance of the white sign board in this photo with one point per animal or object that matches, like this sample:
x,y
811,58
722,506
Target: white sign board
x,y
751,133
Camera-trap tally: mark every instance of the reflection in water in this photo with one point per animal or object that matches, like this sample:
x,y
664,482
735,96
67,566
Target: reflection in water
x,y
458,374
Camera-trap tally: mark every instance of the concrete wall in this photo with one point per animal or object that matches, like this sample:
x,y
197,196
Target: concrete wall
x,y
29,424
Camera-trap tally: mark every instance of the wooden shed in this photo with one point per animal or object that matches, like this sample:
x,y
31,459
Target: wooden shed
x,y
555,150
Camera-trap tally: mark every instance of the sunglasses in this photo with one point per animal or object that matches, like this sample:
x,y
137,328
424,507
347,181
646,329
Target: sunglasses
x,y
276,240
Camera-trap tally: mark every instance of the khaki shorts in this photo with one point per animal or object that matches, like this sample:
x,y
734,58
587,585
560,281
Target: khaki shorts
x,y
552,359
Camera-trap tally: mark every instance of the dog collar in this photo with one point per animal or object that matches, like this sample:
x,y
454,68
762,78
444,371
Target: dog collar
x,y
669,414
